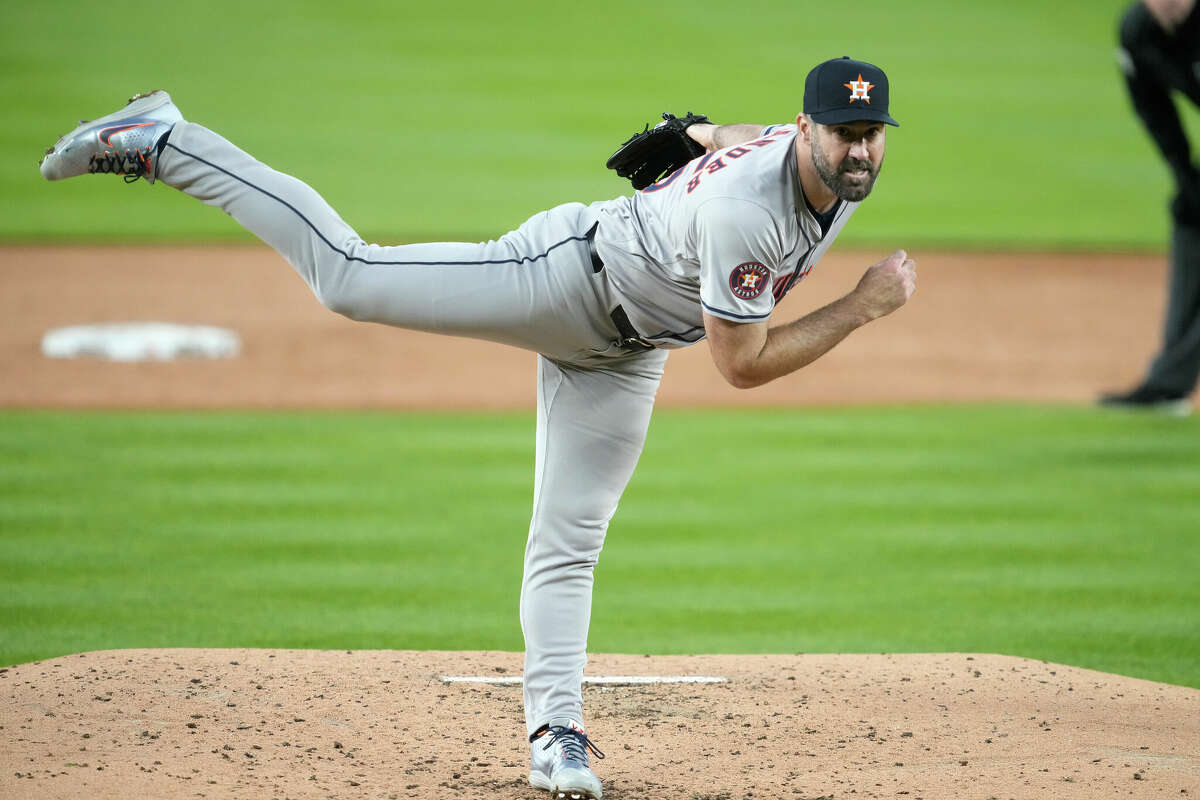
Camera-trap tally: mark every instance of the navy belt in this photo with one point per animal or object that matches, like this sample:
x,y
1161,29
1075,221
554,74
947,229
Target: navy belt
x,y
597,262
630,338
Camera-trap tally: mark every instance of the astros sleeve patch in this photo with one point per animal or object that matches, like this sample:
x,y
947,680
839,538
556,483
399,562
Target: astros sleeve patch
x,y
747,281
739,251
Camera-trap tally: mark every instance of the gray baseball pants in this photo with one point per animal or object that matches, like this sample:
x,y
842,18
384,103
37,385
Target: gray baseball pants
x,y
533,288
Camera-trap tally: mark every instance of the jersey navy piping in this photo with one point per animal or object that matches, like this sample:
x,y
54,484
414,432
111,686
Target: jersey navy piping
x,y
349,257
795,277
709,308
680,336
792,278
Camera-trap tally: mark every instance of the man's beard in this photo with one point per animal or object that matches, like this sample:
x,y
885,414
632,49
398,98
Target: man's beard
x,y
835,178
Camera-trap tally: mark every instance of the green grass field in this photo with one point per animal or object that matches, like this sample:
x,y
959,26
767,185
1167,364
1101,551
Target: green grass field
x,y
1065,535
426,121
1062,534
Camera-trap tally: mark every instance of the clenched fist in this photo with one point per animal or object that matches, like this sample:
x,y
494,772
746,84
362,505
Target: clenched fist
x,y
886,286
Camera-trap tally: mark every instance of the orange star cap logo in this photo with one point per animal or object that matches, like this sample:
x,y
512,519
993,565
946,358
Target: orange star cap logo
x,y
859,88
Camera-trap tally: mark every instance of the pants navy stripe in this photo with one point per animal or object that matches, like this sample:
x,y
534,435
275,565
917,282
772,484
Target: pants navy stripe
x,y
682,337
349,257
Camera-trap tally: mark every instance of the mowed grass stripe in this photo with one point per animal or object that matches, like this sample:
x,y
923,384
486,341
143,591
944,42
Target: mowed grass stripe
x,y
432,122
1065,534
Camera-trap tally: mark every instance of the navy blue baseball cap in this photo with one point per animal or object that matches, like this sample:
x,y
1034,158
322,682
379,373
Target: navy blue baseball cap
x,y
845,90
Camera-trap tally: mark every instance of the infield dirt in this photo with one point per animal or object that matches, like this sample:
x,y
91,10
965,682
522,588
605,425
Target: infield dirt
x,y
980,327
381,724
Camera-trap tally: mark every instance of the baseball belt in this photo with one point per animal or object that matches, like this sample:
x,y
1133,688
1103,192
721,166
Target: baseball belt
x,y
630,339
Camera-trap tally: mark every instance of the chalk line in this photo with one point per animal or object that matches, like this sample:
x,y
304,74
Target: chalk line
x,y
610,680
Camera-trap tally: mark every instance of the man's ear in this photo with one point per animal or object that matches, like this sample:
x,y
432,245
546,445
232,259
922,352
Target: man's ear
x,y
804,126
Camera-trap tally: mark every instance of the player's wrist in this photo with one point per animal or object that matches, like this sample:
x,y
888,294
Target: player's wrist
x,y
859,307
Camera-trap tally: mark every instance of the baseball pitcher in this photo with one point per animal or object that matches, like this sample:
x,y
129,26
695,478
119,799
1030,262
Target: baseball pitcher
x,y
717,234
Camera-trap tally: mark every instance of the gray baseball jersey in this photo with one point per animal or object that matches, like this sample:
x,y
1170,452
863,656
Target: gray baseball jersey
x,y
730,233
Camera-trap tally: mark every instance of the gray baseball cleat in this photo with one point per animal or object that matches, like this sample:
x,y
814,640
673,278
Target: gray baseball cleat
x,y
561,765
126,142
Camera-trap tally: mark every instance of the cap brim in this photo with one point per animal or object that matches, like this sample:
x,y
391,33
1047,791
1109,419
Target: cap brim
x,y
864,114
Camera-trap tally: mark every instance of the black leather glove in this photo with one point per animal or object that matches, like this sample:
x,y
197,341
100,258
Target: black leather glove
x,y
654,153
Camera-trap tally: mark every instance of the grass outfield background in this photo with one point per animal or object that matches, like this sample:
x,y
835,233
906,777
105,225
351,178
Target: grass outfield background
x,y
426,121
1060,534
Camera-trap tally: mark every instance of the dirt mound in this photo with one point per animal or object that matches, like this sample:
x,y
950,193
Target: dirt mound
x,y
383,724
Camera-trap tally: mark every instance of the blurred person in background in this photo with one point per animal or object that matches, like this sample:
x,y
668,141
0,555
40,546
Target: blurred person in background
x,y
1160,53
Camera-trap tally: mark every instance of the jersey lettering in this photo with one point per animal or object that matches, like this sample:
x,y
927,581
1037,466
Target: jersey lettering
x,y
716,166
703,166
665,182
784,285
766,140
780,287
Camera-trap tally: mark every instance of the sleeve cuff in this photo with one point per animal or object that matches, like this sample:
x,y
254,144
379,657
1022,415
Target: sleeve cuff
x,y
733,316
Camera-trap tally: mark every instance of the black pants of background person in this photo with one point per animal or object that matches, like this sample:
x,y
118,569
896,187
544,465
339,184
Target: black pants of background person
x,y
1157,62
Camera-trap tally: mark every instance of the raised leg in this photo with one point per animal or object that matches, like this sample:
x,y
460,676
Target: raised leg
x,y
532,288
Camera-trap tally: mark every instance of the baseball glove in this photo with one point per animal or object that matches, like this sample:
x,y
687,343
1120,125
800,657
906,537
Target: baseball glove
x,y
656,152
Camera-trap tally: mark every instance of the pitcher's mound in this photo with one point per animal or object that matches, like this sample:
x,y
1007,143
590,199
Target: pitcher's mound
x,y
384,724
